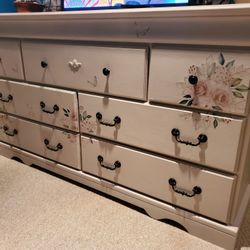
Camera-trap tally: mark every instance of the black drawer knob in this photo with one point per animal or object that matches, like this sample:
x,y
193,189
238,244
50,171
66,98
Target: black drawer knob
x,y
106,71
193,79
44,64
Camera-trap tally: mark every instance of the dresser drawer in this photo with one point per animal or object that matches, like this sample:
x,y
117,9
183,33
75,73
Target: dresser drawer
x,y
151,175
10,59
48,105
207,79
108,70
151,127
51,143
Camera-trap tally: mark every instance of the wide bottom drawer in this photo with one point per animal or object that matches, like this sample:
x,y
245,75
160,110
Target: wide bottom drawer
x,y
51,143
195,189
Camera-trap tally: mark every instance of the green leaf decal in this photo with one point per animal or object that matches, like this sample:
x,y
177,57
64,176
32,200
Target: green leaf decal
x,y
236,82
221,59
184,102
230,64
190,102
215,123
217,107
89,116
242,88
238,94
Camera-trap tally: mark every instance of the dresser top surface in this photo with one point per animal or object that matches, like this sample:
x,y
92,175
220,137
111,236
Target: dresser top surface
x,y
163,12
193,25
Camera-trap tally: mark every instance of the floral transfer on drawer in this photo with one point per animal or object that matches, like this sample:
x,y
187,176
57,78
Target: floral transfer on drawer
x,y
204,121
69,119
220,85
85,122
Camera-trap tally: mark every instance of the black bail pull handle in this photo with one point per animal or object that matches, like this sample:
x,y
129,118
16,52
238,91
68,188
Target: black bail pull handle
x,y
116,120
195,191
8,99
200,139
117,164
43,107
59,146
9,133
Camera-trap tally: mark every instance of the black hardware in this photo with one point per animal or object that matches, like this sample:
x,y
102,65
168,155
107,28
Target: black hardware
x,y
53,148
55,108
44,64
7,132
106,71
117,164
196,190
193,79
116,120
9,98
201,138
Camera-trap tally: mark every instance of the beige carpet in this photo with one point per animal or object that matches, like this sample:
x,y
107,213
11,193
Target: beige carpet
x,y
41,211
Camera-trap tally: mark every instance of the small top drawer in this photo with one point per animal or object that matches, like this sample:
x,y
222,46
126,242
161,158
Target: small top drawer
x,y
207,79
114,71
10,59
52,106
205,139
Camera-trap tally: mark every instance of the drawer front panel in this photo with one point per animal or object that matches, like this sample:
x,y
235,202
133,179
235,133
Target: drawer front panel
x,y
10,59
151,175
51,143
114,71
151,127
213,80
48,105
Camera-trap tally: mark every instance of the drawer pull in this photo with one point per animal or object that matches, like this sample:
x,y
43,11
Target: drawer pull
x,y
9,133
116,120
106,71
9,98
74,65
196,190
117,164
193,79
44,64
53,148
43,105
201,138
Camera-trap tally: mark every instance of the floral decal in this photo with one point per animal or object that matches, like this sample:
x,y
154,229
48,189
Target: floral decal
x,y
221,86
85,121
204,121
69,116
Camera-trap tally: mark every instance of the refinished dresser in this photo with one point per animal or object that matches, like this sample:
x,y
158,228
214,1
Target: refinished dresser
x,y
148,105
